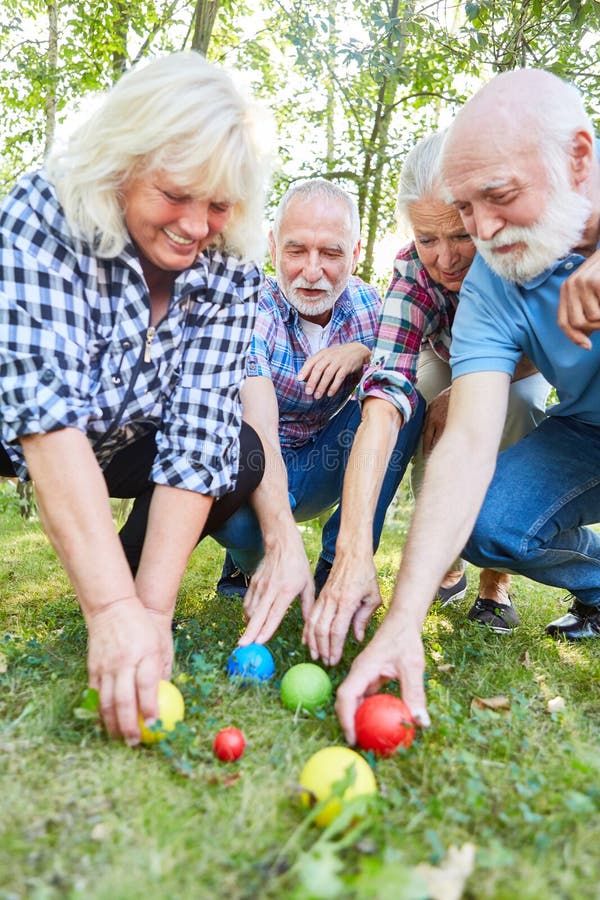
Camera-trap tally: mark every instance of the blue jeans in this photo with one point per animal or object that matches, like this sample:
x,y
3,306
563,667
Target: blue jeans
x,y
546,489
315,474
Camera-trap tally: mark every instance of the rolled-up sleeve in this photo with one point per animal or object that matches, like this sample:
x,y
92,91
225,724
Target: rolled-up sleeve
x,y
407,316
44,379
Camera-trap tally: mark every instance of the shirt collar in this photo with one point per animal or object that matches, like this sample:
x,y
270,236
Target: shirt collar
x,y
569,263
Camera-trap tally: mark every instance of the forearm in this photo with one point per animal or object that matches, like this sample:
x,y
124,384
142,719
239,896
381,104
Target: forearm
x,y
175,522
372,448
270,500
75,513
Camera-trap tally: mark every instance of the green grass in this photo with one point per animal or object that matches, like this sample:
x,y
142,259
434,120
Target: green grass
x,y
86,817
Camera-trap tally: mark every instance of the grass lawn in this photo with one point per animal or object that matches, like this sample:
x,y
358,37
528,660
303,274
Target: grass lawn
x,y
86,817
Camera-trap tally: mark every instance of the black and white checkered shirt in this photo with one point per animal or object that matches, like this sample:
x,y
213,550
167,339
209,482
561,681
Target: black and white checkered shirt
x,y
75,343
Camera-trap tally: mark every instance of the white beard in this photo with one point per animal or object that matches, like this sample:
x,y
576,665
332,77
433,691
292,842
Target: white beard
x,y
549,239
309,307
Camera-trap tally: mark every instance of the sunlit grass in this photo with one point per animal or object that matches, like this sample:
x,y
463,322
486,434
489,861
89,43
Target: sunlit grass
x,y
85,817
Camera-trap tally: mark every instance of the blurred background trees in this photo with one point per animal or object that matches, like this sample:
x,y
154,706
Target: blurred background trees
x,y
352,83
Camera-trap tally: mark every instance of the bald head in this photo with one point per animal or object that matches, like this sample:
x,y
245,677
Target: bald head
x,y
520,156
526,106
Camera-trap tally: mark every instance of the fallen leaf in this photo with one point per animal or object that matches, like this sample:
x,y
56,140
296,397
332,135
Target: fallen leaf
x,y
229,780
3,663
446,667
447,882
100,831
525,659
496,703
557,704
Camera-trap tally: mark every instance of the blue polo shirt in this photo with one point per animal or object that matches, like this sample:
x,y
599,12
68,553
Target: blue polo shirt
x,y
496,321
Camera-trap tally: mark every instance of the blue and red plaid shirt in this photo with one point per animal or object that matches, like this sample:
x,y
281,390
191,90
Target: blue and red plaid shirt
x,y
416,310
279,349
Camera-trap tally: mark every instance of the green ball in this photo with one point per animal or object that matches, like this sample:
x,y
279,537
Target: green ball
x,y
306,687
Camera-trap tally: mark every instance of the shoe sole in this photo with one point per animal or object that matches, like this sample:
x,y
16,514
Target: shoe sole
x,y
497,630
460,596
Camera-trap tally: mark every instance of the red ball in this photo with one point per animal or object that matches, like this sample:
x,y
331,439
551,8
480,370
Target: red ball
x,y
229,744
383,723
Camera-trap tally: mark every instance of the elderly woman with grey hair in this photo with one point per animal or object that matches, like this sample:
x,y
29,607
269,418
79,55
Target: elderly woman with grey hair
x,y
127,303
411,357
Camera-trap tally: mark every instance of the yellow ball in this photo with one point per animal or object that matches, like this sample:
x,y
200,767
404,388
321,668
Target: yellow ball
x,y
327,767
170,711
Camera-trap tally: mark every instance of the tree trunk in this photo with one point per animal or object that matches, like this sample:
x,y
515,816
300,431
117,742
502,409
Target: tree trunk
x,y
52,74
330,109
120,57
204,20
377,147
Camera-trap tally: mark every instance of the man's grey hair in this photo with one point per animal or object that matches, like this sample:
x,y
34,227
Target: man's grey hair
x,y
420,174
318,187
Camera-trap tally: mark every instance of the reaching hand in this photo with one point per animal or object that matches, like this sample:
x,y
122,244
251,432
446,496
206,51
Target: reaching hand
x,y
283,574
164,622
579,306
326,371
394,652
435,420
350,595
126,660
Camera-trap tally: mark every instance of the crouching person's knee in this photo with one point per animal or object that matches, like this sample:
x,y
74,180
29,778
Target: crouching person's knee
x,y
492,542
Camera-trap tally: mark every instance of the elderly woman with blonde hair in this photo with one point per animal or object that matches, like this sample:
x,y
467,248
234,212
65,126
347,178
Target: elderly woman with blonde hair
x,y
128,300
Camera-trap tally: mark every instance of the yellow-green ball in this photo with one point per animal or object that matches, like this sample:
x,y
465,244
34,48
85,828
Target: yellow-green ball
x,y
170,711
307,687
327,767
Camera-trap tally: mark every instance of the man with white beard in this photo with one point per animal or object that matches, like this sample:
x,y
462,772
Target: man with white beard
x,y
520,165
314,333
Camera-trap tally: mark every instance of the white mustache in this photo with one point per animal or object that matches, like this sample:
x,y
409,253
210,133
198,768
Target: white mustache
x,y
510,234
323,284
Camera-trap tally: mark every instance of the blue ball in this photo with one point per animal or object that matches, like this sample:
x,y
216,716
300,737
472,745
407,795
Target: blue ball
x,y
250,664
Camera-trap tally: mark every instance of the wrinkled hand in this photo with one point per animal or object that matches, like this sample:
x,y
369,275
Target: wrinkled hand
x,y
125,663
164,624
325,371
579,306
395,652
435,420
283,574
350,596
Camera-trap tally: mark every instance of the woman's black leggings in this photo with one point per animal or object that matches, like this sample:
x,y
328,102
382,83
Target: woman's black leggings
x,y
127,475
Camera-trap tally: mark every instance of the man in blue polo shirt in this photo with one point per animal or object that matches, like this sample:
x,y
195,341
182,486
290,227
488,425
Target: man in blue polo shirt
x,y
520,165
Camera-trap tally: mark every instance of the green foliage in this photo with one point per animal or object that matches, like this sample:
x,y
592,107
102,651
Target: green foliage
x,y
352,84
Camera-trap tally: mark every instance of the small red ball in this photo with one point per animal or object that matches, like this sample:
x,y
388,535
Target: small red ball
x,y
229,744
383,723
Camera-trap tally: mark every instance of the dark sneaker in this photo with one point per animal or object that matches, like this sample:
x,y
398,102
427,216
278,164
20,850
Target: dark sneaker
x,y
322,571
233,582
581,621
500,617
456,592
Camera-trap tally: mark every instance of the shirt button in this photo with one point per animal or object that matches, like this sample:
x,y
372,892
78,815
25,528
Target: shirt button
x,y
568,266
47,377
